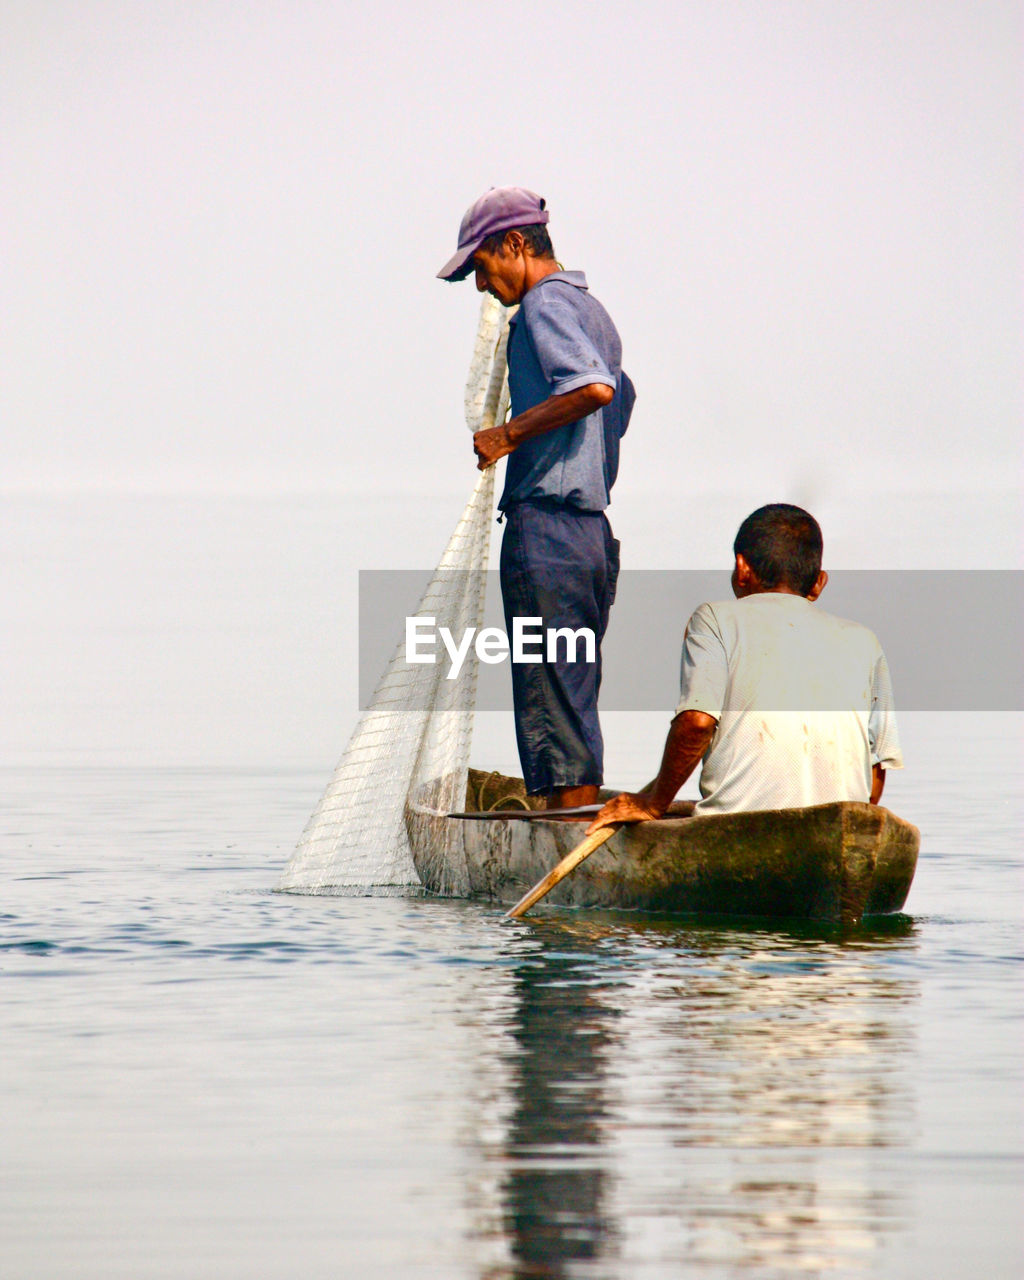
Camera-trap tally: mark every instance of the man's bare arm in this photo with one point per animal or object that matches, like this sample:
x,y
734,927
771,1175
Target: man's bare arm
x,y
877,783
689,736
555,411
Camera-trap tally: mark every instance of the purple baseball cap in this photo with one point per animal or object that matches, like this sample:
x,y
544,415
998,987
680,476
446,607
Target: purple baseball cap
x,y
499,209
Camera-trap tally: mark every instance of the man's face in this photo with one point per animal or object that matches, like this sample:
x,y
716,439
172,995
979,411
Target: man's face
x,y
501,274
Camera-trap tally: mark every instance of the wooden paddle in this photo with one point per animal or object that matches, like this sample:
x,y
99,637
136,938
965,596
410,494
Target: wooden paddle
x,y
569,863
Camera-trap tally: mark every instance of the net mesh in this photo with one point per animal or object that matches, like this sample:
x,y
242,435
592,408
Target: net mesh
x,y
409,753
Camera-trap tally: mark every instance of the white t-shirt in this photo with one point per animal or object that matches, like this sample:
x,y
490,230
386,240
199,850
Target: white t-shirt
x,y
803,702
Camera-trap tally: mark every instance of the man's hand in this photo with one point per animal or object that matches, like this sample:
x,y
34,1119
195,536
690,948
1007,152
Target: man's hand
x,y
689,736
626,808
490,445
555,411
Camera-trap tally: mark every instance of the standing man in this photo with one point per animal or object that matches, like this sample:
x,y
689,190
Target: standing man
x,y
571,404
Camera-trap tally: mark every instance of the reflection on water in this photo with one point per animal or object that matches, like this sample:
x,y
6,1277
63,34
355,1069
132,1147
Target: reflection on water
x,y
553,1194
697,1094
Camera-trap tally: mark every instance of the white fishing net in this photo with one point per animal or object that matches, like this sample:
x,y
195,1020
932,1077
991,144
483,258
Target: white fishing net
x,y
412,742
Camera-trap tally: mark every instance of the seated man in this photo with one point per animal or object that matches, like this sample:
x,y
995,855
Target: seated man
x,y
786,705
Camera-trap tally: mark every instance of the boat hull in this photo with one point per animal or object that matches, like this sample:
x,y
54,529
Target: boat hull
x,y
827,862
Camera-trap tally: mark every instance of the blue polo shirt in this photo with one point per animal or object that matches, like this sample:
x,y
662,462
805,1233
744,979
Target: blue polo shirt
x,y
562,338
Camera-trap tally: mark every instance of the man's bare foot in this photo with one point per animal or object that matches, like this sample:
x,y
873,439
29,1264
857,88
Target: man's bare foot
x,y
569,797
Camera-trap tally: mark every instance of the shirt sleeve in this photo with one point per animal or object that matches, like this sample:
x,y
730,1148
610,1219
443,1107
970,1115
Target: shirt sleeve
x,y
565,351
882,731
704,674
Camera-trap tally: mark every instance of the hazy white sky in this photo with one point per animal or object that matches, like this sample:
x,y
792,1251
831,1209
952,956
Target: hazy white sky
x,y
222,223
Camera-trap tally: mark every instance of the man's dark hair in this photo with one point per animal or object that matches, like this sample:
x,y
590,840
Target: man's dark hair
x,y
538,242
782,544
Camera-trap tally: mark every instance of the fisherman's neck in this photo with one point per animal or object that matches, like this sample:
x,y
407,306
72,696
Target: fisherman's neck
x,y
538,269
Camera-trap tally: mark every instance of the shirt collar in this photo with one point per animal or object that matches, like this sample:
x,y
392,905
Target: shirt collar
x,y
575,278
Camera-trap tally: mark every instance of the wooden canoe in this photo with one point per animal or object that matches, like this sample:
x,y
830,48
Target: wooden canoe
x,y
828,862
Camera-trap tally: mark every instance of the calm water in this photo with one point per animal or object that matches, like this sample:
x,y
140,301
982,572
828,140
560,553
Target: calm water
x,y
201,1078
204,1078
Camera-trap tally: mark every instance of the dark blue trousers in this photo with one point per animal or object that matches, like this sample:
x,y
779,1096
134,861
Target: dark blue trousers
x,y
560,565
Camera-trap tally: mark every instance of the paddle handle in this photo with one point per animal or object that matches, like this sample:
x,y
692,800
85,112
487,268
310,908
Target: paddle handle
x,y
569,863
